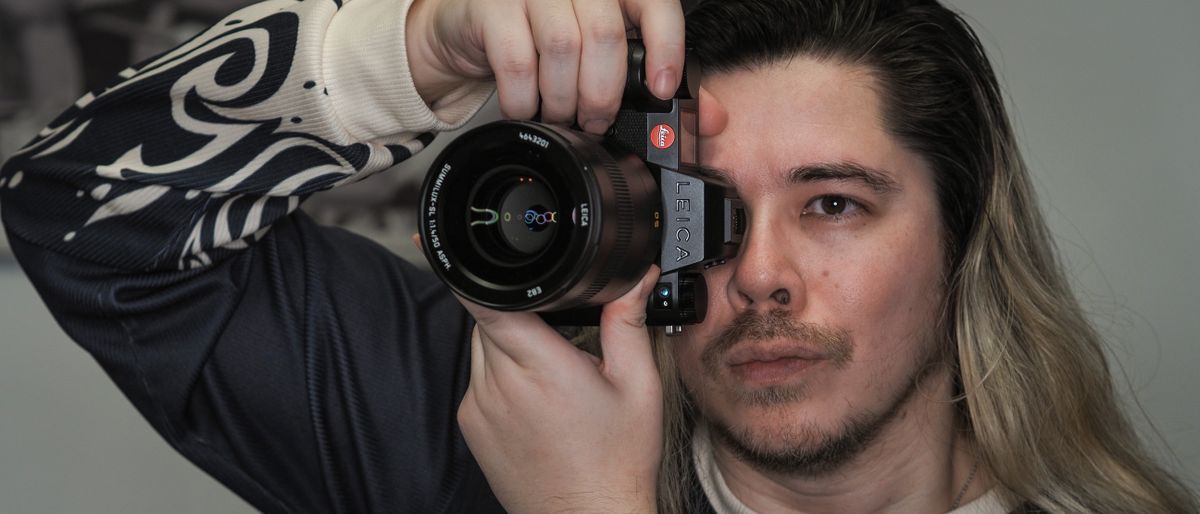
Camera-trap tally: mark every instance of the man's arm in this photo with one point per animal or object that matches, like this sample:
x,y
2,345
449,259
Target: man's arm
x,y
195,153
304,367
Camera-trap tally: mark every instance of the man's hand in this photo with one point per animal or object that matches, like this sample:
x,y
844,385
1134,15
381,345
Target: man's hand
x,y
571,55
556,429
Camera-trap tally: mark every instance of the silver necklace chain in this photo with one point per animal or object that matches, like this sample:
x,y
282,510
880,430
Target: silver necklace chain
x,y
963,491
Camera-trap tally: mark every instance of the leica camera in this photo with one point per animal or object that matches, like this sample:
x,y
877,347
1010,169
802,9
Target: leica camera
x,y
525,216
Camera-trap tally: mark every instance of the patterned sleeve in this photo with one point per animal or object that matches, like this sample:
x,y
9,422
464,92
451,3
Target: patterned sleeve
x,y
194,154
306,368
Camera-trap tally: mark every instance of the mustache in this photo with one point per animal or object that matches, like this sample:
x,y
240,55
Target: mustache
x,y
752,325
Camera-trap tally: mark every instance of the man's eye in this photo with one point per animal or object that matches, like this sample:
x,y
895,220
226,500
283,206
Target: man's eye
x,y
832,205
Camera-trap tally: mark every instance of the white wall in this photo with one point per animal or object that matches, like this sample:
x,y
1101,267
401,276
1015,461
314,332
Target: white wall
x,y
1105,97
69,441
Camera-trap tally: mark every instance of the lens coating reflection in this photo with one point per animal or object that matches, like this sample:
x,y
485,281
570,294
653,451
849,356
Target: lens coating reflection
x,y
513,215
529,216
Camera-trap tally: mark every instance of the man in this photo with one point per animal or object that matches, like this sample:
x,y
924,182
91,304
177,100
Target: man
x,y
894,335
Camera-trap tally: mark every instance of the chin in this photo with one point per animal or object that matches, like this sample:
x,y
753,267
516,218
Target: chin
x,y
779,425
794,442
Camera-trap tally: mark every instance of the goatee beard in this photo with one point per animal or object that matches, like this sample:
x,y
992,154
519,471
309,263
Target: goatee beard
x,y
806,451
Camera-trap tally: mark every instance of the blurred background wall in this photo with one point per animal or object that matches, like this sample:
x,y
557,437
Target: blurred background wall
x,y
1104,93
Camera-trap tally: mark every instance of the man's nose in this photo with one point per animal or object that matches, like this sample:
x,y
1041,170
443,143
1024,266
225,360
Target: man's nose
x,y
765,276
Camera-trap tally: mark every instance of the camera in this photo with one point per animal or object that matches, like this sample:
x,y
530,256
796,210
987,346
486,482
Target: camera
x,y
526,216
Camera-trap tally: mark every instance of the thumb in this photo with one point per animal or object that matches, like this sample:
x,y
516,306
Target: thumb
x,y
624,340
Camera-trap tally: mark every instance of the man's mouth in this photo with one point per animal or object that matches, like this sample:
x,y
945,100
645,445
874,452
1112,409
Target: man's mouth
x,y
770,350
771,364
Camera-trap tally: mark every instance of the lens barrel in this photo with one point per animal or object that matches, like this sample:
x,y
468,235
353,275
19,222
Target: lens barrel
x,y
518,215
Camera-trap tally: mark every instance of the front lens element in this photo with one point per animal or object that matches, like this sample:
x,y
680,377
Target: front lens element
x,y
512,215
529,216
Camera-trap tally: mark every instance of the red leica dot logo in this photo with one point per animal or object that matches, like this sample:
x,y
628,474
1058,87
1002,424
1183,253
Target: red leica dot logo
x,y
662,136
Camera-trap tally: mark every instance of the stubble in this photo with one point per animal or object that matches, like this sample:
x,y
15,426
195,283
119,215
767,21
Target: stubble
x,y
808,451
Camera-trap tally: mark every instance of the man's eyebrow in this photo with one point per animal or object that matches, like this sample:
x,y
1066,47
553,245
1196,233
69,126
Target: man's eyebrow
x,y
717,174
878,180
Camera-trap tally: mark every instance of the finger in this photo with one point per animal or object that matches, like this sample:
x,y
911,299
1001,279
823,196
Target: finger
x,y
416,241
556,34
624,340
478,360
661,25
522,337
713,116
513,58
495,362
604,57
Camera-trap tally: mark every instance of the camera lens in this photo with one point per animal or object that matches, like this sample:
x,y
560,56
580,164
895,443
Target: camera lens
x,y
524,216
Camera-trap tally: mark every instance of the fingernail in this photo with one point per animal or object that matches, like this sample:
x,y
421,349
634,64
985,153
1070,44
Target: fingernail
x,y
665,84
596,126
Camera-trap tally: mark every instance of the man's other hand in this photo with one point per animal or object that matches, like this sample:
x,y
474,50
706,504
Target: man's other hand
x,y
554,428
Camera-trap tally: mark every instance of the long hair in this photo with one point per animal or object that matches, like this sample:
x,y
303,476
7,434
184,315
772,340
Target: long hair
x,y
1035,391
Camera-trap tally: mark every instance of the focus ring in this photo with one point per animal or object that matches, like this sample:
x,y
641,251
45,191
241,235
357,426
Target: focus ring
x,y
623,203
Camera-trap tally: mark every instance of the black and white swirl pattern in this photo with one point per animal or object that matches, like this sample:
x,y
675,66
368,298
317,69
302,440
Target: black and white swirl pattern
x,y
205,145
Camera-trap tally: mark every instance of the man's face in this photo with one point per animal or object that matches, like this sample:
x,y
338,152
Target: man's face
x,y
839,279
